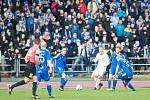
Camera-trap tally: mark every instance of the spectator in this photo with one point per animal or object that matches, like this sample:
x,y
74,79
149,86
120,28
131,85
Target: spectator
x,y
82,7
119,28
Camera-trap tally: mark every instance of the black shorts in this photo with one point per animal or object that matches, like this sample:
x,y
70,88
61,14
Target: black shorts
x,y
30,70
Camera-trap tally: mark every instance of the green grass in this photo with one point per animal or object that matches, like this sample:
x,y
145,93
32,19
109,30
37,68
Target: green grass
x,y
85,94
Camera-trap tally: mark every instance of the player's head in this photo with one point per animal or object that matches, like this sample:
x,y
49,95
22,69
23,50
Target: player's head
x,y
118,49
64,50
37,41
101,50
43,44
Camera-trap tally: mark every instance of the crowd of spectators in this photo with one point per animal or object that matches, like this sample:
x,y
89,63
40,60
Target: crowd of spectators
x,y
67,22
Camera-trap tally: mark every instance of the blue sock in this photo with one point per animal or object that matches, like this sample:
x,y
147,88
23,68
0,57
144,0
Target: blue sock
x,y
62,82
65,82
109,83
114,84
49,89
131,86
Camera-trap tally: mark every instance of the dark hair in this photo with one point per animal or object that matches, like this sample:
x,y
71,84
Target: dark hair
x,y
37,41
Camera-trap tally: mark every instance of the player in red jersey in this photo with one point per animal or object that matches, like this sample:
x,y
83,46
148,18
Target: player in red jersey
x,y
31,59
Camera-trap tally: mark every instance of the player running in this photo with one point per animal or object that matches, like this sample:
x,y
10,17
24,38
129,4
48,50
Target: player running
x,y
112,69
31,59
60,67
124,71
44,69
103,61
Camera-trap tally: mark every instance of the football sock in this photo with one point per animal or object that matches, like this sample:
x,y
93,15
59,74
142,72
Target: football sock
x,y
65,82
97,83
114,84
49,89
131,86
109,83
34,88
62,82
22,82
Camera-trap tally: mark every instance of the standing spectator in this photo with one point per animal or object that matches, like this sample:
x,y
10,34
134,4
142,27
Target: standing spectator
x,y
82,7
127,31
119,28
114,19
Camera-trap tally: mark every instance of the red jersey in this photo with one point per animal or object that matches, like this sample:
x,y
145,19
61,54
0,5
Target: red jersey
x,y
30,56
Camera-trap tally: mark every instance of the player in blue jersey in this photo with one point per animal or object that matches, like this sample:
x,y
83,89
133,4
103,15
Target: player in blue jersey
x,y
124,71
44,69
60,67
111,81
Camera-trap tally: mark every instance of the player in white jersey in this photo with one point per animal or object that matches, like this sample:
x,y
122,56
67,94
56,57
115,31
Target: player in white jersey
x,y
103,61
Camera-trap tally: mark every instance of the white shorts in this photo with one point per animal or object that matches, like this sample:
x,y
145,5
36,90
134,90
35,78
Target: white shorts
x,y
99,71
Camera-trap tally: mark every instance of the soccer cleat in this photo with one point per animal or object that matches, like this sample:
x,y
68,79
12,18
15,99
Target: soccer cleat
x,y
95,88
51,97
61,89
9,89
110,89
35,97
100,85
133,90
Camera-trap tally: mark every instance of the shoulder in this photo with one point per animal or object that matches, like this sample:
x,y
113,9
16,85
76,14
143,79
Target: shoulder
x,y
58,55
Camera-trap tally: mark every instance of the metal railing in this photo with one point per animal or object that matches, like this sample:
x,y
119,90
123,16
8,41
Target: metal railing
x,y
17,65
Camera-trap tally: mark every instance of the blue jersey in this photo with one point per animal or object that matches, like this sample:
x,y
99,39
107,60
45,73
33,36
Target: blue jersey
x,y
125,68
60,60
113,61
42,70
60,63
44,57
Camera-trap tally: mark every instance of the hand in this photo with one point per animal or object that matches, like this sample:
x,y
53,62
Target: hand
x,y
50,70
115,76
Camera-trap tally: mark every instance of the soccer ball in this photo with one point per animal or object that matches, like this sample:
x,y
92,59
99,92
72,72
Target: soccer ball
x,y
79,87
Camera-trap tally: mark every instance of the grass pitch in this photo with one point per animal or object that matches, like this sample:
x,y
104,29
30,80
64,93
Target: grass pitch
x,y
85,94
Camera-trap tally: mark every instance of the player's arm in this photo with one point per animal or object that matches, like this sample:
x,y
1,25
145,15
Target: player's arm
x,y
37,60
49,63
96,58
26,58
117,69
107,61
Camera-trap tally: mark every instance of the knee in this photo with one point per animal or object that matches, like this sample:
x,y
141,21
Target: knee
x,y
26,80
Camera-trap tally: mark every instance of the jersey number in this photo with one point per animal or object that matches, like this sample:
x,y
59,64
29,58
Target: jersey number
x,y
42,58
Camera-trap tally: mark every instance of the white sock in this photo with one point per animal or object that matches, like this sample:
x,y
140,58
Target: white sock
x,y
97,83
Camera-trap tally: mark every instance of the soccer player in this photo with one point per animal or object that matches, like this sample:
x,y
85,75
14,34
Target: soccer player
x,y
44,69
111,81
60,68
103,61
124,71
31,59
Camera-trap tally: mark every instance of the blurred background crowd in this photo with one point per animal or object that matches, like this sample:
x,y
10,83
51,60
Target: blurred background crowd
x,y
70,22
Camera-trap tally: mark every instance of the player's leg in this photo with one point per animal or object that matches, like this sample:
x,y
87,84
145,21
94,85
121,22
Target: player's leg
x,y
128,83
34,84
63,81
46,77
110,79
22,82
49,89
34,87
27,74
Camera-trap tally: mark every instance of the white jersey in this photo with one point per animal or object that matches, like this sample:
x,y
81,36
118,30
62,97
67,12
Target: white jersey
x,y
103,62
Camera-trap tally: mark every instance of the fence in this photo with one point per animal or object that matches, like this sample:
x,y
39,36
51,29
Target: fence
x,y
17,66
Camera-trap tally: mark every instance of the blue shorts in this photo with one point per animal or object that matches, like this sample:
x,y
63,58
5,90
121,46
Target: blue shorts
x,y
112,70
122,75
59,71
42,74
